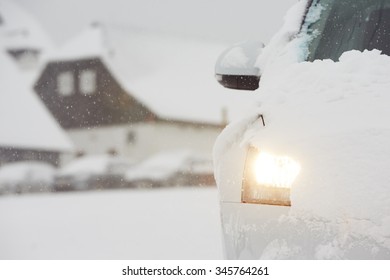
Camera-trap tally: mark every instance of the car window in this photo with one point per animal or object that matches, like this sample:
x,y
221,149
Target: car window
x,y
348,25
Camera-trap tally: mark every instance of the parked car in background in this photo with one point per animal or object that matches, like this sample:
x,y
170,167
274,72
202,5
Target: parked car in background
x,y
306,176
175,168
26,177
92,172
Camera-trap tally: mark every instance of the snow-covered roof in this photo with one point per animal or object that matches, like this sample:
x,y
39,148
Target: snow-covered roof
x,y
24,120
19,30
174,77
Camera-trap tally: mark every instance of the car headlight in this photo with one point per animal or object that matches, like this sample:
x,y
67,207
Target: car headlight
x,y
268,178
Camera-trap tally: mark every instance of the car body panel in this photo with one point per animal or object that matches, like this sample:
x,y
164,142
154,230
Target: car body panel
x,y
331,117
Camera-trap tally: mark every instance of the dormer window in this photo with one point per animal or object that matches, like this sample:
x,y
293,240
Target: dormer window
x,y
88,81
65,83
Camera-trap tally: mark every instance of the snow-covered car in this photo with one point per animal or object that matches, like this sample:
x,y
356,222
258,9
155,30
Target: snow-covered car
x,y
26,176
173,168
93,172
306,175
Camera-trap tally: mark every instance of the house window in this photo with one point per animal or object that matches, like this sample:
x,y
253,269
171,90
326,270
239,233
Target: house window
x,y
65,83
88,81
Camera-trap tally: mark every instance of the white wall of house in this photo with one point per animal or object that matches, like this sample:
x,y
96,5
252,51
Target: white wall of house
x,y
141,140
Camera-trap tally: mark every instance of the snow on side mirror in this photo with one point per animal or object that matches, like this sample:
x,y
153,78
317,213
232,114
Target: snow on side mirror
x,y
235,67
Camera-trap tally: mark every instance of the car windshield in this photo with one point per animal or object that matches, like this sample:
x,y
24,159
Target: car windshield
x,y
348,25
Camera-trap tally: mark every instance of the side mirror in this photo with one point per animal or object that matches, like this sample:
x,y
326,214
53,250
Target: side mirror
x,y
235,67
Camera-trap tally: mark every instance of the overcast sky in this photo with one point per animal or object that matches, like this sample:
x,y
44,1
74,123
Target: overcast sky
x,y
221,20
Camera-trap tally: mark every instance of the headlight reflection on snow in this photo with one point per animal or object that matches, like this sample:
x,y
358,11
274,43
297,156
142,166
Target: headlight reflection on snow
x,y
268,178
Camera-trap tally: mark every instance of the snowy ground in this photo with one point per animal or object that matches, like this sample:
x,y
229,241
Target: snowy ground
x,y
170,223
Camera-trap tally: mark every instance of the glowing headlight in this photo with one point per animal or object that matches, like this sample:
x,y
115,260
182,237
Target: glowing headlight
x,y
268,178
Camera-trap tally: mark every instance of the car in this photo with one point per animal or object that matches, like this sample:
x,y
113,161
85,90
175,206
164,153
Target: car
x,y
26,176
172,168
305,175
93,172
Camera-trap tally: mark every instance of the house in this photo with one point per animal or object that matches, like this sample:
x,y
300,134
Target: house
x,y
134,93
27,129
83,94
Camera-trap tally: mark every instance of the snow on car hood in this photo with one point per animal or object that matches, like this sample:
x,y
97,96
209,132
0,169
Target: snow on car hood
x,y
26,171
333,118
95,165
161,166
